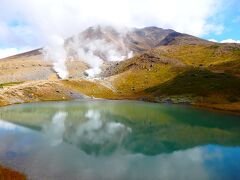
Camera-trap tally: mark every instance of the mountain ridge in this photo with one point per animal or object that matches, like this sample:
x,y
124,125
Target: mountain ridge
x,y
136,39
175,68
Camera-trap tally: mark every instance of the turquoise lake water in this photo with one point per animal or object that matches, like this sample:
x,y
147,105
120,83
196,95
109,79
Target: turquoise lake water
x,y
119,140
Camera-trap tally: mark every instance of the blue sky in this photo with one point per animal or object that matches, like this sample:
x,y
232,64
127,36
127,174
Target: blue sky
x,y
230,18
28,24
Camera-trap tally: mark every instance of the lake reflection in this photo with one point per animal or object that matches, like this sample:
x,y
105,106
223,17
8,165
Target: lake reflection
x,y
119,140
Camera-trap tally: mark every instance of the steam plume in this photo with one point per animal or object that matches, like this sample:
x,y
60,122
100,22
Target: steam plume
x,y
56,52
95,50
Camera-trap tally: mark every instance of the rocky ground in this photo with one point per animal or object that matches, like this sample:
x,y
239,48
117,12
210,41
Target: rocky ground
x,y
9,174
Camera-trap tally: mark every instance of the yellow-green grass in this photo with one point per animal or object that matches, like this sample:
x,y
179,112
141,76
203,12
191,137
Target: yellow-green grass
x,y
230,67
206,74
132,76
208,86
90,88
135,81
9,84
200,55
209,76
33,92
164,63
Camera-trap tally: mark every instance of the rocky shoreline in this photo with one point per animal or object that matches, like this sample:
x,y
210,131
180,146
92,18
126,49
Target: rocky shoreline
x,y
10,174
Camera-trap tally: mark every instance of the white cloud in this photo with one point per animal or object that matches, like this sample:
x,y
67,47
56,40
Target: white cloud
x,y
7,125
213,40
230,41
6,52
4,125
225,41
40,19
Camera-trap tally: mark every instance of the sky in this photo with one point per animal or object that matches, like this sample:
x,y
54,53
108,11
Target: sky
x,y
29,24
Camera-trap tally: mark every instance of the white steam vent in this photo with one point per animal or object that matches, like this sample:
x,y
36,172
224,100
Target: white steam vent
x,y
95,52
56,52
94,46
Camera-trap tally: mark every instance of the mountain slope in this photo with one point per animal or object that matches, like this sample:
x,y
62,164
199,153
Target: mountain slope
x,y
195,74
135,40
30,65
166,67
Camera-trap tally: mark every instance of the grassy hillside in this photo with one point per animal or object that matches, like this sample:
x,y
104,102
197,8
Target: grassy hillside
x,y
207,75
199,86
200,83
201,55
56,90
132,76
32,67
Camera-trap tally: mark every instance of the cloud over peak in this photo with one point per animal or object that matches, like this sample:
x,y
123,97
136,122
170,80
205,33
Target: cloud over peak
x,y
30,22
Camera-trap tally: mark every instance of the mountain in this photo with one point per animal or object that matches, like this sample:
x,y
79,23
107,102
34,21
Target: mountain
x,y
128,39
29,65
134,39
165,66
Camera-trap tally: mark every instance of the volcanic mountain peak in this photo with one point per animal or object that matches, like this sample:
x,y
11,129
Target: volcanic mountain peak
x,y
123,41
139,39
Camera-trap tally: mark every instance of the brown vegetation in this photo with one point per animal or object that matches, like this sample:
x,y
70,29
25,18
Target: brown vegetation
x,y
9,174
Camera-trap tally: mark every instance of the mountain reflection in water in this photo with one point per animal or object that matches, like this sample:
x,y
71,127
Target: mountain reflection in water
x,y
119,140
